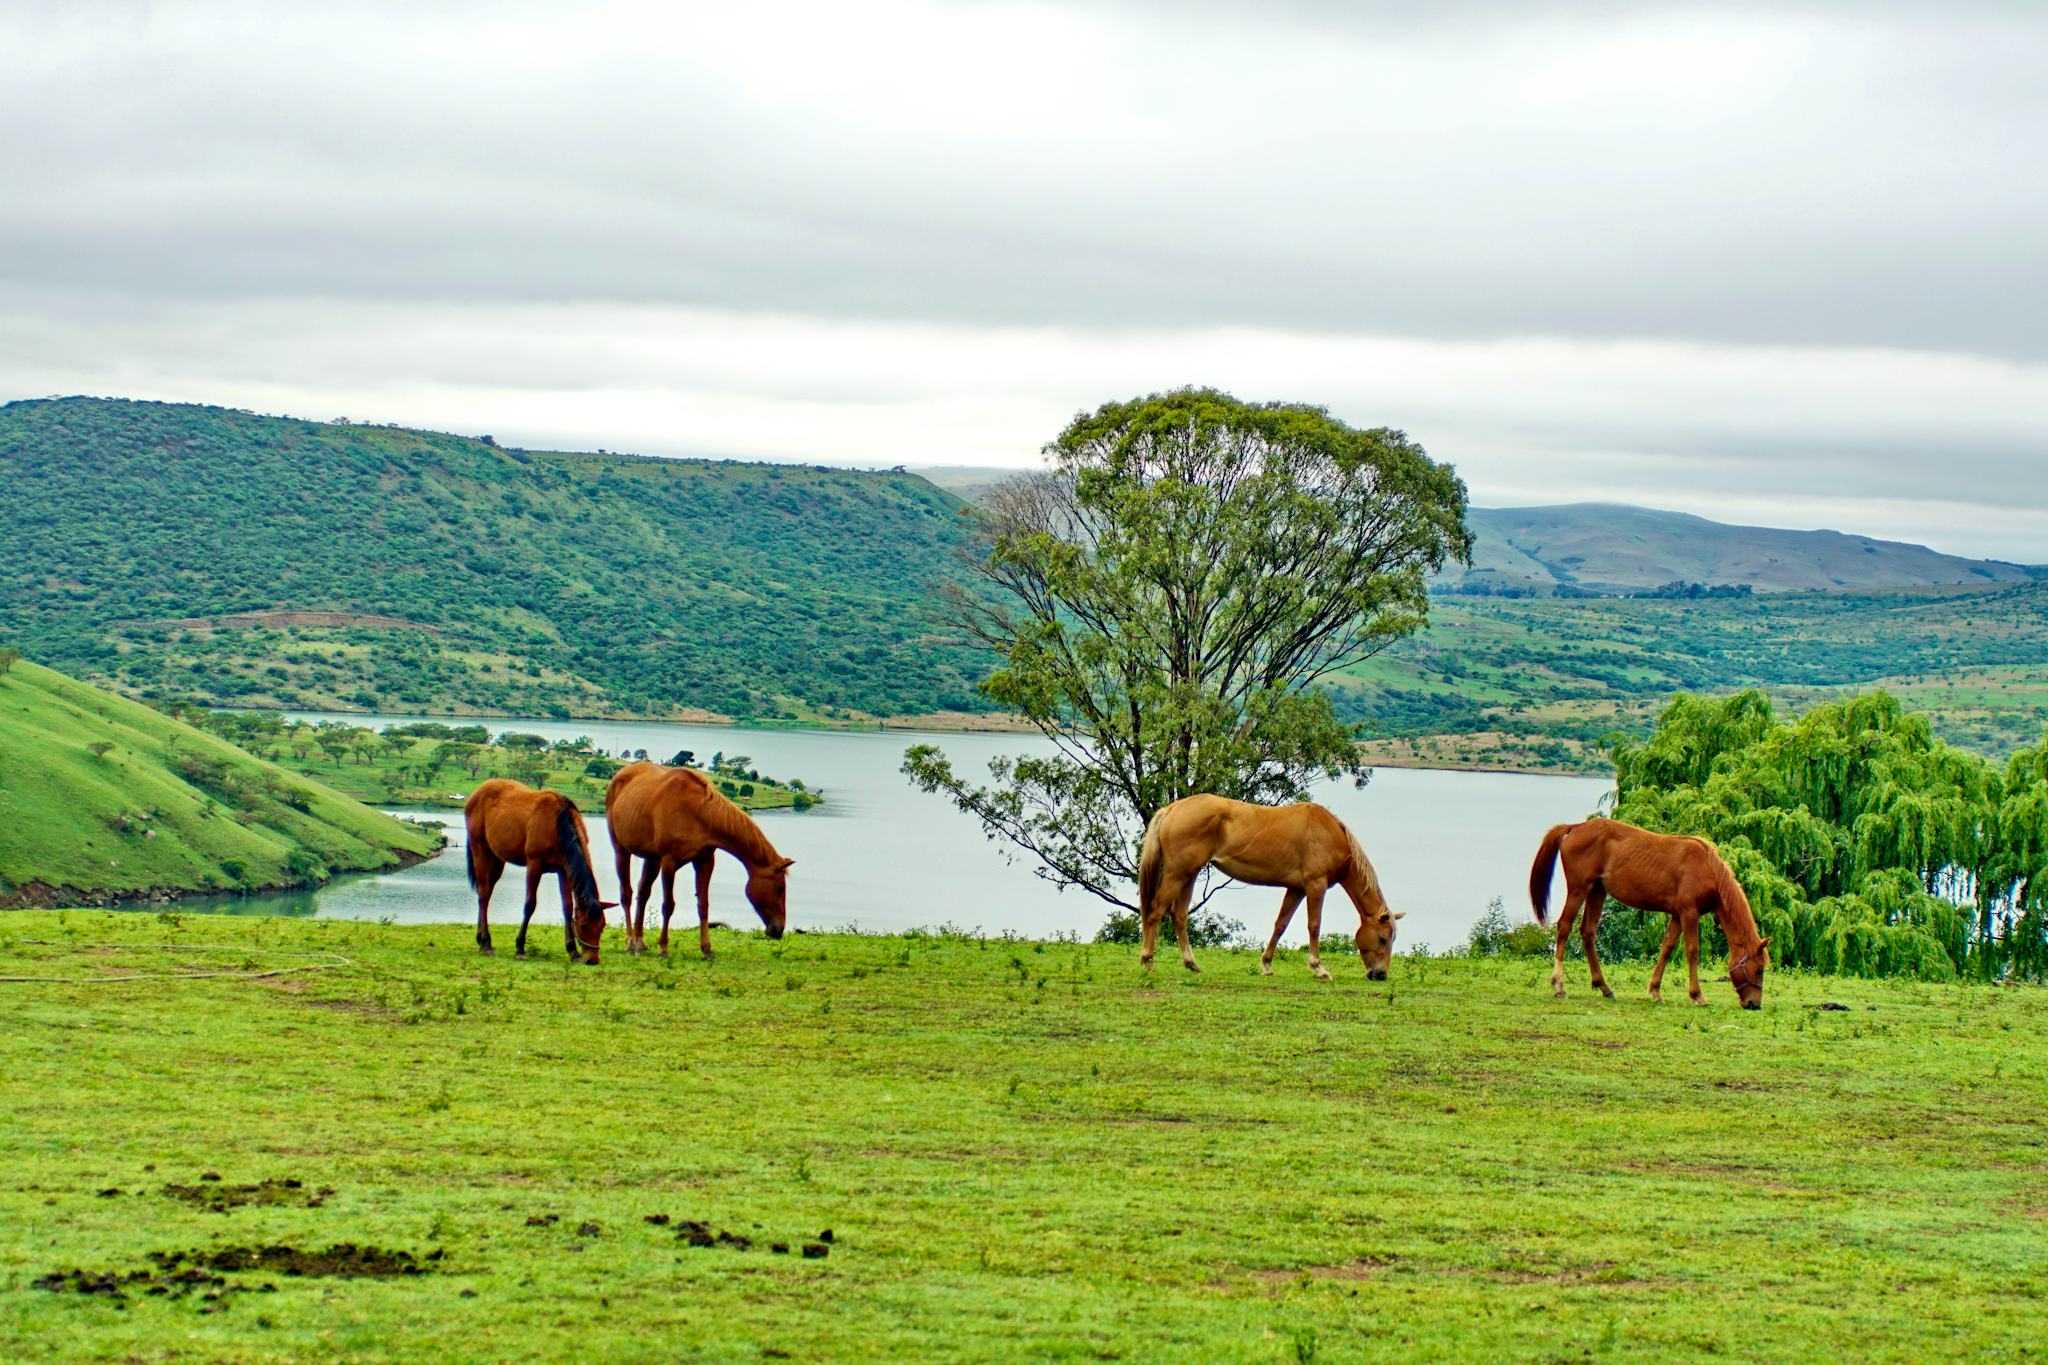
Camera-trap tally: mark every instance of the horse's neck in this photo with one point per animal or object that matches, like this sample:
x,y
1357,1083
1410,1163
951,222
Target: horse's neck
x,y
1738,925
733,830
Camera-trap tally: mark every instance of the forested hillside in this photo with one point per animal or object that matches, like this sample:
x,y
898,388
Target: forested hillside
x,y
202,553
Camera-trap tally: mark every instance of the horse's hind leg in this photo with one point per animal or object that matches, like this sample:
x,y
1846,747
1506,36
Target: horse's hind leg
x,y
623,862
488,870
1181,904
1657,975
1315,933
648,869
1288,903
533,876
1589,934
1573,899
1149,915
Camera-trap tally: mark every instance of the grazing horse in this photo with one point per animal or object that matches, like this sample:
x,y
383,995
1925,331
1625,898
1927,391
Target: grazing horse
x,y
542,831
673,816
1679,876
1301,847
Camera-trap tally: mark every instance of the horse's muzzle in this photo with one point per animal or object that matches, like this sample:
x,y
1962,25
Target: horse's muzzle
x,y
775,933
1379,975
1752,1004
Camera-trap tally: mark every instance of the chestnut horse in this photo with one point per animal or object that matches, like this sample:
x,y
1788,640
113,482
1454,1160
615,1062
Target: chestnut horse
x,y
673,816
1677,875
1301,847
542,831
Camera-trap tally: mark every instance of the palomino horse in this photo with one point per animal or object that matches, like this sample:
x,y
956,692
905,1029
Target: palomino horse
x,y
1680,876
542,831
1301,847
673,816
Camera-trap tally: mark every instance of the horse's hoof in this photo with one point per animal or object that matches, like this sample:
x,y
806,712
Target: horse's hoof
x,y
487,950
1265,969
1192,967
1557,995
1321,974
1606,992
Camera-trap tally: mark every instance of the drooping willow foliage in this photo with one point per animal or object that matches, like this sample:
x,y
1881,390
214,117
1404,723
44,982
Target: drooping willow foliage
x,y
1868,847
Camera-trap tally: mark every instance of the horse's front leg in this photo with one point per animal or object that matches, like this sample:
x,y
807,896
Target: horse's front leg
x,y
533,876
1663,957
706,860
1692,959
1288,903
568,917
1315,931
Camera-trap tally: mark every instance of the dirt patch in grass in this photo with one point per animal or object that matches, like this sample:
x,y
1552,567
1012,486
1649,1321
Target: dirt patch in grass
x,y
211,1193
180,1274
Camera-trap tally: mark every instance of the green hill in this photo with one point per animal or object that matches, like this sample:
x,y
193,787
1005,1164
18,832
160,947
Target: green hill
x,y
1607,548
211,554
103,798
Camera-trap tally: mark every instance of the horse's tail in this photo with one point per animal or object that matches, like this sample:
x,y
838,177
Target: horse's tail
x,y
576,853
1539,871
1149,862
472,824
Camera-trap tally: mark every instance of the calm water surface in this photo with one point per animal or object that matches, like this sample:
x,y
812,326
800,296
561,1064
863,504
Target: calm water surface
x,y
880,855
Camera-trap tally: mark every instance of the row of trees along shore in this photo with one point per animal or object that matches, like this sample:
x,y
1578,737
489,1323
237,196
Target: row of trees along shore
x,y
1867,846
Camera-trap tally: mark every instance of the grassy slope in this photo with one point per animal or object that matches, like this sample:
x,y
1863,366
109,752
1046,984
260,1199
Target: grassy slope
x,y
1022,1150
62,810
533,583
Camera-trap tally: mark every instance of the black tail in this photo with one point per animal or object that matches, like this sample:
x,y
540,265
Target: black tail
x,y
575,856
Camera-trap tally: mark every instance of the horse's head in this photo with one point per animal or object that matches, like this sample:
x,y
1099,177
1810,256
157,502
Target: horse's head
x,y
590,927
1375,938
768,893
1746,974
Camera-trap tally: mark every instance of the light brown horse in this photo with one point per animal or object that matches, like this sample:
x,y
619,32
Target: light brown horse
x,y
1301,847
673,816
542,831
1679,876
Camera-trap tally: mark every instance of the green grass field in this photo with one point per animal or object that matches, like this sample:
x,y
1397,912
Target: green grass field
x,y
102,794
1021,1150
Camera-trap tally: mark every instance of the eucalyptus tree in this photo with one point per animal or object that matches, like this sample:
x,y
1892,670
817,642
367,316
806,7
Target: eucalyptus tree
x,y
1163,599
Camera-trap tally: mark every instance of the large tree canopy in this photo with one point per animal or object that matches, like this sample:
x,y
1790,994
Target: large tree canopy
x,y
1164,595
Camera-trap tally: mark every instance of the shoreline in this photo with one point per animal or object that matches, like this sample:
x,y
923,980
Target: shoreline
x,y
41,895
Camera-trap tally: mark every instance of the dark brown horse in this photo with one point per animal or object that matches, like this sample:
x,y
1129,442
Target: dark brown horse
x,y
674,816
1301,847
542,831
1679,876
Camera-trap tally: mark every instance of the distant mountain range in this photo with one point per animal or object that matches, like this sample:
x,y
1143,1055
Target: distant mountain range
x,y
1612,548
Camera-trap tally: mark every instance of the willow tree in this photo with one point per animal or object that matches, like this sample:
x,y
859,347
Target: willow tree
x,y
1164,597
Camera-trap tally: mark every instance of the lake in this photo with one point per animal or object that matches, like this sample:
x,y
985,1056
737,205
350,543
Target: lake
x,y
878,854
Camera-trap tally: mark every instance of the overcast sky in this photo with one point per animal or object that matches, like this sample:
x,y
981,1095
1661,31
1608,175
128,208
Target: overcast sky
x,y
1781,263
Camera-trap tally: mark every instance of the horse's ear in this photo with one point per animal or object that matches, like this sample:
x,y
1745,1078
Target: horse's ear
x,y
607,905
787,863
1400,914
1763,943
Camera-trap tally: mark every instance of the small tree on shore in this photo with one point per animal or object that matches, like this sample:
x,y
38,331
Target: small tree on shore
x,y
1163,599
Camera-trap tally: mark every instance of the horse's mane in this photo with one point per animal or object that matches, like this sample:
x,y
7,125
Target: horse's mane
x,y
733,828
575,842
1733,912
1361,866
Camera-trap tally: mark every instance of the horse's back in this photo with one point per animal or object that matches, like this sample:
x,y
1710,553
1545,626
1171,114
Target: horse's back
x,y
1270,845
1641,867
648,805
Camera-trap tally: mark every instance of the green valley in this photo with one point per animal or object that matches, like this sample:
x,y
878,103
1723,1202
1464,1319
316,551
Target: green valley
x,y
103,798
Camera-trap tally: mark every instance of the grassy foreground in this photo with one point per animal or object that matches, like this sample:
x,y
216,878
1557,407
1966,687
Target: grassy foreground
x,y
1020,1149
